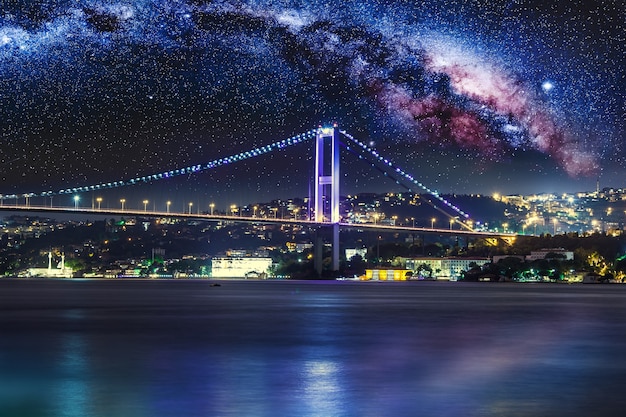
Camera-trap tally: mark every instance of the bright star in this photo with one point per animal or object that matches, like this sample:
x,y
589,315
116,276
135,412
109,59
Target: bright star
x,y
547,86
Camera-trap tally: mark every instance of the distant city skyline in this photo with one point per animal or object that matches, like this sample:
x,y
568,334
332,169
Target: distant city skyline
x,y
469,97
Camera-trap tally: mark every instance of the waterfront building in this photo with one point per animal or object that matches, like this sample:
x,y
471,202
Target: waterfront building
x,y
61,271
386,275
542,253
240,267
450,269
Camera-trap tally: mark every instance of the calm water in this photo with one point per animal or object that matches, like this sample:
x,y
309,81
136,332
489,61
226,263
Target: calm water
x,y
184,348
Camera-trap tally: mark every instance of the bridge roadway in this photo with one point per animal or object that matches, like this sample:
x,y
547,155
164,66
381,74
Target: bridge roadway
x,y
247,219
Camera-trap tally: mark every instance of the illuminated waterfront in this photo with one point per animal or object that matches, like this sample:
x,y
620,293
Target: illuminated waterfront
x,y
297,348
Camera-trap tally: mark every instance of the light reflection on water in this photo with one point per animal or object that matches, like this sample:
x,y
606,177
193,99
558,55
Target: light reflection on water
x,y
71,394
174,348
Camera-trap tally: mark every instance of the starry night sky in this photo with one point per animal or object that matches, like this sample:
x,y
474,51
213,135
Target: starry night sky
x,y
469,96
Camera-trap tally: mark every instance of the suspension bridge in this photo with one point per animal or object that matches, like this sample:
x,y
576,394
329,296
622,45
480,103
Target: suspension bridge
x,y
324,215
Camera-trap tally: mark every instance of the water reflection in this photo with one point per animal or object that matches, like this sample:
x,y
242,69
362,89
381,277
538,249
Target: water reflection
x,y
72,394
299,349
323,390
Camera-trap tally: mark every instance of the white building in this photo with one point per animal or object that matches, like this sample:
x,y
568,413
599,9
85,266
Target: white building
x,y
541,254
61,271
230,267
445,268
351,252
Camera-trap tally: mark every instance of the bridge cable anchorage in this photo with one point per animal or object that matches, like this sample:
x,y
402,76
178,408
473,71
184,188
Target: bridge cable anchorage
x,y
179,171
403,174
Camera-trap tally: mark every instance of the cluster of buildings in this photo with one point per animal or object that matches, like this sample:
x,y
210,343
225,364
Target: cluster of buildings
x,y
425,268
602,210
598,211
452,268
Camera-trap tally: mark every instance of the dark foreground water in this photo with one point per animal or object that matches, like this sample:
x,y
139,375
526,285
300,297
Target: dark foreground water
x,y
185,348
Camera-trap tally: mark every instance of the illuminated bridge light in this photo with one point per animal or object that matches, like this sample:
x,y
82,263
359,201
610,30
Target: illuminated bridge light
x,y
255,152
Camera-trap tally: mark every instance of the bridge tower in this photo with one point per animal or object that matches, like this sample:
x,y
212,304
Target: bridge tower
x,y
327,190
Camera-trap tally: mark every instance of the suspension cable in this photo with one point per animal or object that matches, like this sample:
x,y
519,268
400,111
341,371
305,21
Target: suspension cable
x,y
404,174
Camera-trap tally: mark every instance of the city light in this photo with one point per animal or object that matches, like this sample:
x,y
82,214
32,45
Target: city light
x,y
250,154
545,204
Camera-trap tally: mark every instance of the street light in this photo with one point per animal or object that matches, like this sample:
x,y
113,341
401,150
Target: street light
x,y
212,206
145,205
233,207
255,208
167,206
76,200
99,200
190,206
451,223
432,223
122,202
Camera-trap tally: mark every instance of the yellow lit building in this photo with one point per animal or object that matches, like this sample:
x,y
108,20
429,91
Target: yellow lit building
x,y
386,275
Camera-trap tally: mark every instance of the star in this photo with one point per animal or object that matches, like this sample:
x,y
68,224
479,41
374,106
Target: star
x,y
547,86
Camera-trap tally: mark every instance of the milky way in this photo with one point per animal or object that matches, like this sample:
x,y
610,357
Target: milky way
x,y
92,90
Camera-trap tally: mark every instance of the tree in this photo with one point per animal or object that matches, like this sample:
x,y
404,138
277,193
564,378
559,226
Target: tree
x,y
509,266
355,266
619,266
424,269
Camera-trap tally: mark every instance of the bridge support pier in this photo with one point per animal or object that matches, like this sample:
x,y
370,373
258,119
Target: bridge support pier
x,y
322,235
327,177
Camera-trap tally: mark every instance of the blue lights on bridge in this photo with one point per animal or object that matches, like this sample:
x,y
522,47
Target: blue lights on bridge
x,y
405,175
247,155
